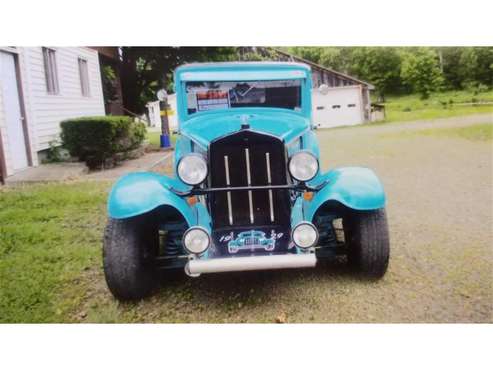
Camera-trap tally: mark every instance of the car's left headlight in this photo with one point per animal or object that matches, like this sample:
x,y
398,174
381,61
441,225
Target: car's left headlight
x,y
192,169
303,166
196,240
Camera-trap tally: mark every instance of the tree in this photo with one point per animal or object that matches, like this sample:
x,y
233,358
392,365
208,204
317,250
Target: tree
x,y
450,65
476,66
109,81
147,69
379,65
420,71
337,58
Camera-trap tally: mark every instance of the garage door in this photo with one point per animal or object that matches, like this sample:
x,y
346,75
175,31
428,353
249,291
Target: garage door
x,y
340,106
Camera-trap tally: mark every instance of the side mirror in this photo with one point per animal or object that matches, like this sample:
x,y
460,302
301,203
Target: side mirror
x,y
175,132
314,126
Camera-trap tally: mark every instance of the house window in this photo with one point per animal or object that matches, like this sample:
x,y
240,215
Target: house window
x,y
49,58
84,77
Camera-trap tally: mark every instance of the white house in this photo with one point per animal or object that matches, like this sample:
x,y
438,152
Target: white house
x,y
40,87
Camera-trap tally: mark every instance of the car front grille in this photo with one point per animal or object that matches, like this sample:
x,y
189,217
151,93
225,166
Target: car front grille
x,y
248,158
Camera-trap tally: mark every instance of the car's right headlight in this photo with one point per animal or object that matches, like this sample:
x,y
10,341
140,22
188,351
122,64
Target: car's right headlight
x,y
305,235
192,169
303,166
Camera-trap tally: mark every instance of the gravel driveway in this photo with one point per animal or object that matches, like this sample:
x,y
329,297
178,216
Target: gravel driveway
x,y
441,269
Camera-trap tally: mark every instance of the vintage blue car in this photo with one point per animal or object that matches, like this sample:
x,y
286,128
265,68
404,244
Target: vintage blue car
x,y
246,158
251,241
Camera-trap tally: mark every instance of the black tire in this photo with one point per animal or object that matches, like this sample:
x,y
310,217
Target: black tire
x,y
367,237
129,248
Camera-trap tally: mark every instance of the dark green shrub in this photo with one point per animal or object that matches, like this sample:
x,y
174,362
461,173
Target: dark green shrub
x,y
97,139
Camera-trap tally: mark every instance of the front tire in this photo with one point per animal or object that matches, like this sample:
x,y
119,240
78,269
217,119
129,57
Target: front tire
x,y
129,249
367,237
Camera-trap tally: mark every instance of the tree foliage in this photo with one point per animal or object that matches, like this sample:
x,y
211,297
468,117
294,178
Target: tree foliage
x,y
392,70
380,66
420,71
404,69
147,69
108,74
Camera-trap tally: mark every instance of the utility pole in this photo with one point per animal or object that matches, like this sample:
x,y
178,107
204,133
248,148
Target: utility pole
x,y
162,96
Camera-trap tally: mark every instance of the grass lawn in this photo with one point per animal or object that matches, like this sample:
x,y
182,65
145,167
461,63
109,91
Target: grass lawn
x,y
50,235
479,132
439,105
482,132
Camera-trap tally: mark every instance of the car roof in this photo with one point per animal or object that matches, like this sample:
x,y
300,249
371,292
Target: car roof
x,y
242,71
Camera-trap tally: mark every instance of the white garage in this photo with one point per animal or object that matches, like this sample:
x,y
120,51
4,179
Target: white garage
x,y
337,98
338,106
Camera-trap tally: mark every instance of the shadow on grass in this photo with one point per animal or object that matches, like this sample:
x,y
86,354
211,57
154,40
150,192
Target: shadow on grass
x,y
252,288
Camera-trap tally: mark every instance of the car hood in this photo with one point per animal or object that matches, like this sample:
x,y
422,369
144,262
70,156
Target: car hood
x,y
206,127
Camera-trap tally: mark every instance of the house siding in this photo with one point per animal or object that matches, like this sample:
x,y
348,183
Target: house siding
x,y
46,111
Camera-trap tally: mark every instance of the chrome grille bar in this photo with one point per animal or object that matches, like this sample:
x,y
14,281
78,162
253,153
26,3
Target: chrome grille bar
x,y
269,180
230,208
249,180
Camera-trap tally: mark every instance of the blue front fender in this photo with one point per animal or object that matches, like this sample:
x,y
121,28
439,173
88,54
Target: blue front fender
x,y
355,187
141,192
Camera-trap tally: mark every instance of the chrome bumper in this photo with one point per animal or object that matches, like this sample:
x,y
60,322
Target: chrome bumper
x,y
196,267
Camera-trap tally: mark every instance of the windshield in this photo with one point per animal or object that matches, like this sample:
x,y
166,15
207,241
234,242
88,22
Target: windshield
x,y
205,96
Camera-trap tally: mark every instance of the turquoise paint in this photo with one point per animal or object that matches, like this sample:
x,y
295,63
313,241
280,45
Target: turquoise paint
x,y
241,71
355,187
297,212
141,192
271,75
297,216
204,127
138,193
203,217
310,142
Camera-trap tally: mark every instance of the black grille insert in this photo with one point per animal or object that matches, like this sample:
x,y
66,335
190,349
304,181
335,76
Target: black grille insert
x,y
238,158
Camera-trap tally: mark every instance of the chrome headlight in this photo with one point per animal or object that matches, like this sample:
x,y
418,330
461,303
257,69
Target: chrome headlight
x,y
303,166
196,240
192,169
305,235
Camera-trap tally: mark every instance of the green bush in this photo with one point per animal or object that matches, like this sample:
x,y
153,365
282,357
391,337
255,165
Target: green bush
x,y
97,139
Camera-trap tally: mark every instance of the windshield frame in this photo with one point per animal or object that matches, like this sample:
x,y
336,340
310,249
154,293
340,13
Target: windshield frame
x,y
182,103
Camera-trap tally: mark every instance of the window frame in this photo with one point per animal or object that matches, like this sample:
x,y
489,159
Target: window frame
x,y
51,71
83,67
